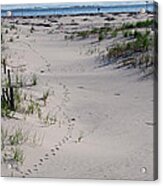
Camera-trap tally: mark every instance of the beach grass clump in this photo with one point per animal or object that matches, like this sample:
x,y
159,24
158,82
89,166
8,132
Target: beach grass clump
x,y
17,98
94,31
6,31
18,155
36,139
128,25
33,107
2,39
134,52
46,119
19,80
140,24
85,19
143,41
45,97
71,37
32,29
127,34
17,137
10,145
4,137
13,27
14,155
66,37
146,23
101,33
83,34
39,113
101,36
25,96
3,61
146,61
50,120
114,33
6,110
30,108
141,44
34,79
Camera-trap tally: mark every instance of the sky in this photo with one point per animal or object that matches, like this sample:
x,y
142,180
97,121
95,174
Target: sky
x,y
52,1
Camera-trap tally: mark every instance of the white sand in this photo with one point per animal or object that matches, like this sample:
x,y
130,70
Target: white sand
x,y
102,113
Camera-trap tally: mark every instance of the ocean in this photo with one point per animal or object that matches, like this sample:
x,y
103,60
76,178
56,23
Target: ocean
x,y
76,8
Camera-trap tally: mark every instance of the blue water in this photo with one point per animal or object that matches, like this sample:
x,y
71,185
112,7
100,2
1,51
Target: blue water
x,y
75,8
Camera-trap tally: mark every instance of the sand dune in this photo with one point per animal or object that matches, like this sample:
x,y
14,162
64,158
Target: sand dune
x,y
102,113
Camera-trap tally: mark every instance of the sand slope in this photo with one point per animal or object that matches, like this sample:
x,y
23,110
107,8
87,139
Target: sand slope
x,y
103,114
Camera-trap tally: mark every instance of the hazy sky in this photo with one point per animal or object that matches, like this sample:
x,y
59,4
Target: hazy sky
x,y
53,1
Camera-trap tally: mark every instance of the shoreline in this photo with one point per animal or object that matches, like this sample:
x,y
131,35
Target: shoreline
x,y
74,15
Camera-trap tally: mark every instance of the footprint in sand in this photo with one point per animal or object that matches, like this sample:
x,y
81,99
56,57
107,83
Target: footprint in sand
x,y
66,138
53,154
149,123
46,158
73,119
29,170
41,160
35,169
52,150
35,165
117,94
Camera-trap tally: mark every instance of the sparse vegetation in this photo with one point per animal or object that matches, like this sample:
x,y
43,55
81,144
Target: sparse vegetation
x,y
129,45
5,109
32,29
101,36
17,137
50,120
6,32
17,98
19,80
114,33
18,155
65,37
139,24
141,44
13,27
45,96
11,39
128,34
83,34
10,145
34,79
4,136
30,108
101,33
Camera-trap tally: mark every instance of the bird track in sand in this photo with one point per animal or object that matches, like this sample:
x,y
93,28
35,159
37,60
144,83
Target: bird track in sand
x,y
67,137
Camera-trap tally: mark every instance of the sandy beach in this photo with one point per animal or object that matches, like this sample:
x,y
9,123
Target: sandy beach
x,y
79,115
